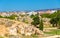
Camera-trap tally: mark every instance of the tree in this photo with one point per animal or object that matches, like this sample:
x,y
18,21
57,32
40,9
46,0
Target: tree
x,y
59,24
37,21
41,25
58,18
53,21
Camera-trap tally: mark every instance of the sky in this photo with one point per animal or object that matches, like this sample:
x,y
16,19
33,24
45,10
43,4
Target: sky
x,y
22,5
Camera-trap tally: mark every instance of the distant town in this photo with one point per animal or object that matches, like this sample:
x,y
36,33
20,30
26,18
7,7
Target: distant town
x,y
29,13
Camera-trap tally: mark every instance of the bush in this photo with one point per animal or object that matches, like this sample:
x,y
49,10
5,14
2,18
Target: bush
x,y
10,17
1,16
1,37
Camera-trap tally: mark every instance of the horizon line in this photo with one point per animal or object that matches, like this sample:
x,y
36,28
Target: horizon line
x,y
32,10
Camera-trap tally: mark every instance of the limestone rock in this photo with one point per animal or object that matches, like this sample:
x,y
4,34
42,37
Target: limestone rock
x,y
18,28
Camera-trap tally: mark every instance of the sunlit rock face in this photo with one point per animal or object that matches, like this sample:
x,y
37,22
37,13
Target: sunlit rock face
x,y
29,30
17,27
3,30
12,31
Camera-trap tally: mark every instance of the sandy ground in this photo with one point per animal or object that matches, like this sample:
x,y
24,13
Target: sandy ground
x,y
55,36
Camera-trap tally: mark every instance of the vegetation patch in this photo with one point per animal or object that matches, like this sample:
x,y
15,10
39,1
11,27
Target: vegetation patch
x,y
53,32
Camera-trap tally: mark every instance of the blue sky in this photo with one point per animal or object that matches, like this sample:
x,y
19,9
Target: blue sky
x,y
21,5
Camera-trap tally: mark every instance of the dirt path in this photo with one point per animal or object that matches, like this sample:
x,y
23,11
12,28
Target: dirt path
x,y
55,36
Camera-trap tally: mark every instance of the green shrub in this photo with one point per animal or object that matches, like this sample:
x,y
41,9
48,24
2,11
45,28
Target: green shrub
x,y
1,37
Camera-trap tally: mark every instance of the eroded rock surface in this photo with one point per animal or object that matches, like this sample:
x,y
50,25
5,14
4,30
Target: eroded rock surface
x,y
12,27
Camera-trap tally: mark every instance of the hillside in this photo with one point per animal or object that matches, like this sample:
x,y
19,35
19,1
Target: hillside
x,y
12,27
